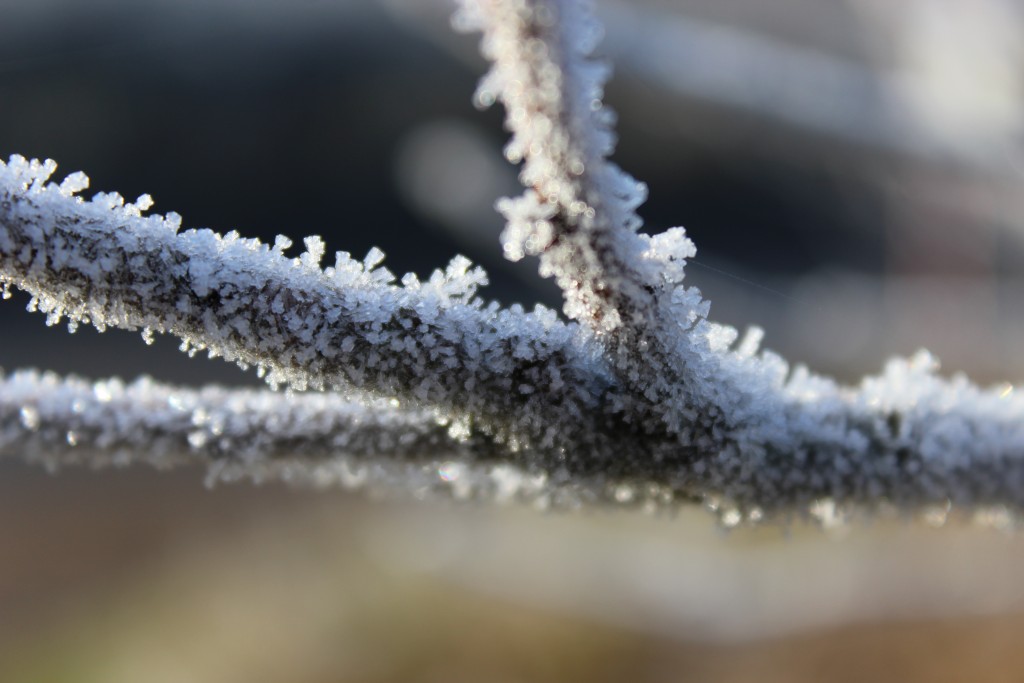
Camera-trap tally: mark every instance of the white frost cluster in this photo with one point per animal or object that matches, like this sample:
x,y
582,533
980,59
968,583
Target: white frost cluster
x,y
641,401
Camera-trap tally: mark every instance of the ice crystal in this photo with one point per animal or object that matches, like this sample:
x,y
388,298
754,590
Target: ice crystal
x,y
639,400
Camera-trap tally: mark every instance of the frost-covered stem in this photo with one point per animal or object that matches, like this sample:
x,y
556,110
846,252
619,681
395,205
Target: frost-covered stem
x,y
57,421
577,203
907,439
524,377
578,212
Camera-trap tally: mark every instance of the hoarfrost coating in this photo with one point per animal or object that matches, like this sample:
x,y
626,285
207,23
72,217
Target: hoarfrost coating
x,y
640,400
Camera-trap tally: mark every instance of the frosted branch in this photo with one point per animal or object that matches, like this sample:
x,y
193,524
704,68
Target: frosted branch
x,y
578,215
578,211
647,403
70,421
907,439
524,377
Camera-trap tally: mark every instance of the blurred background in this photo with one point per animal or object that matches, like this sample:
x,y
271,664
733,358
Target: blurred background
x,y
851,173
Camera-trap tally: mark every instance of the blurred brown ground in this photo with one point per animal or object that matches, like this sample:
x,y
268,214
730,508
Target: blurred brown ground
x,y
134,576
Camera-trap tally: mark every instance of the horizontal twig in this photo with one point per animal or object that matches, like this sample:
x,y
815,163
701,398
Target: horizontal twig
x,y
310,438
520,376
